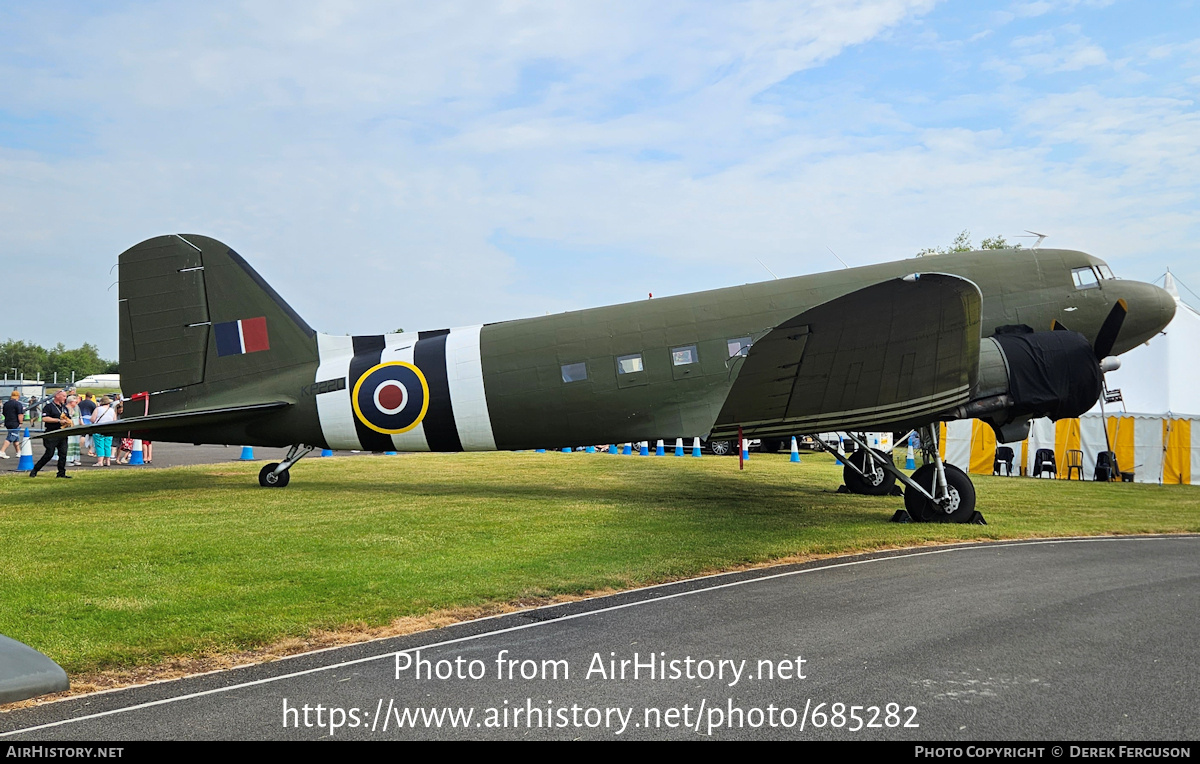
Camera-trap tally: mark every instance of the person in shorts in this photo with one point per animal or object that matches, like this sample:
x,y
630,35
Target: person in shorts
x,y
103,414
14,416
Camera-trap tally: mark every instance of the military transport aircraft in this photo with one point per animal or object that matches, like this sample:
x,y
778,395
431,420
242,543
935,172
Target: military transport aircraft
x,y
216,356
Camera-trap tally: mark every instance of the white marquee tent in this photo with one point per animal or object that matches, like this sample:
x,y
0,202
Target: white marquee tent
x,y
1154,431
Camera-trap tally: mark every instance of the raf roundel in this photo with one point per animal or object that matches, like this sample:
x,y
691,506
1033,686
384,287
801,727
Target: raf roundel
x,y
391,398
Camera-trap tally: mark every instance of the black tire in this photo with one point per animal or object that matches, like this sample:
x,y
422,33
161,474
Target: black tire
x,y
962,495
721,447
268,480
880,481
770,445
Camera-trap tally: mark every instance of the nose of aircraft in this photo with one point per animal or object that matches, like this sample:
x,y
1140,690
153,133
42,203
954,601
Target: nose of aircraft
x,y
1150,309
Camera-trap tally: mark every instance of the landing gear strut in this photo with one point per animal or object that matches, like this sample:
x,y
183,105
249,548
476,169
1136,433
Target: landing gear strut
x,y
866,470
936,492
276,475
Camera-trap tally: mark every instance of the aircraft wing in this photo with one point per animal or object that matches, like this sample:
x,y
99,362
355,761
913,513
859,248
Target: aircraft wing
x,y
888,356
172,421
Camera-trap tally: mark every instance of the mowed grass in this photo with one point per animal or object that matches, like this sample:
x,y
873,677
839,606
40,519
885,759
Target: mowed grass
x,y
123,568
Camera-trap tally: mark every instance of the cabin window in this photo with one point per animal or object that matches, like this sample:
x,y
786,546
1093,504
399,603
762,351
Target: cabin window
x,y
1105,272
684,355
574,372
629,364
1085,278
740,346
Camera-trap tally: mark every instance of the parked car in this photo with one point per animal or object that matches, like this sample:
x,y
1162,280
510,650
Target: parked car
x,y
726,447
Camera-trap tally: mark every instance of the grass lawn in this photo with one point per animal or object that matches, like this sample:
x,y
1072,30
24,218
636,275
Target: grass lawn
x,y
129,568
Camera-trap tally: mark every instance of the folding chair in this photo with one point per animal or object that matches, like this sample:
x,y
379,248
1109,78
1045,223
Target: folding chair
x,y
1075,462
1004,459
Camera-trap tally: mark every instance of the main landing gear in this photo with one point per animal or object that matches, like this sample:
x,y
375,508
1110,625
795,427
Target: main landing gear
x,y
276,474
936,491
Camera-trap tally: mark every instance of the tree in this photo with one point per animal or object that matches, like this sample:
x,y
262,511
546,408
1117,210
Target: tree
x,y
30,360
962,243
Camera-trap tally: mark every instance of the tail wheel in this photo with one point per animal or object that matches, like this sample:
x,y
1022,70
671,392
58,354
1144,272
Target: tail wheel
x,y
878,482
268,479
960,506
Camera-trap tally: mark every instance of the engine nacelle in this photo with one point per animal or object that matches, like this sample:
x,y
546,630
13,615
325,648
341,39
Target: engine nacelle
x,y
1032,374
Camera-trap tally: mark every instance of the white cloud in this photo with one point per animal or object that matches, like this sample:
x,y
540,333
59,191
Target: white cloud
x,y
1041,7
367,157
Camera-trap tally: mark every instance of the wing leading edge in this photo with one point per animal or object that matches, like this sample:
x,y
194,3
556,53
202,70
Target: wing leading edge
x,y
891,355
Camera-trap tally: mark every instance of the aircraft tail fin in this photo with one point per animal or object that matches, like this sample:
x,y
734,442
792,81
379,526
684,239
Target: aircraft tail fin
x,y
193,312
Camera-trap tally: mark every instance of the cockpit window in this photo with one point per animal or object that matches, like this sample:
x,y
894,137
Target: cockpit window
x,y
1104,271
1085,278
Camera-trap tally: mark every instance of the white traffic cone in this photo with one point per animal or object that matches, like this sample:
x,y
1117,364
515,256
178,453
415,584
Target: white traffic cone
x,y
25,462
135,457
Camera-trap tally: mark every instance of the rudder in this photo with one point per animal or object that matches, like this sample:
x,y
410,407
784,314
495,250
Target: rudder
x,y
193,312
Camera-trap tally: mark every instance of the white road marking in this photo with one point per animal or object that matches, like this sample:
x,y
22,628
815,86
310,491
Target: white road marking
x,y
522,627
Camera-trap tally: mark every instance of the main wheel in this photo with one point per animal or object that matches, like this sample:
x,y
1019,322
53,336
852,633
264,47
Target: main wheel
x,y
720,447
961,492
879,481
267,478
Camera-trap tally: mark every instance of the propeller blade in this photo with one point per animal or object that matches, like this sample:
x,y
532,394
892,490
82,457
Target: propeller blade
x,y
1107,336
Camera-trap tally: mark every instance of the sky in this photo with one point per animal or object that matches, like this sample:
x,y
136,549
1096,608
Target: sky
x,y
421,165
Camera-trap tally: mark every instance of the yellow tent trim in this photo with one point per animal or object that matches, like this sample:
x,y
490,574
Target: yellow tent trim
x,y
983,448
1066,438
1177,451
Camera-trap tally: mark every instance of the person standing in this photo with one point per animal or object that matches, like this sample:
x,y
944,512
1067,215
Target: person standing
x,y
54,418
103,443
14,415
124,443
73,444
86,407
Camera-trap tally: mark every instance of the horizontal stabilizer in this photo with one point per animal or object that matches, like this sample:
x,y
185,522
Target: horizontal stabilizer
x,y
172,421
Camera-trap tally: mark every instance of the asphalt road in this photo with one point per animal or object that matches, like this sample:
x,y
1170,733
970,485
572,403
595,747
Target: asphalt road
x,y
1044,640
